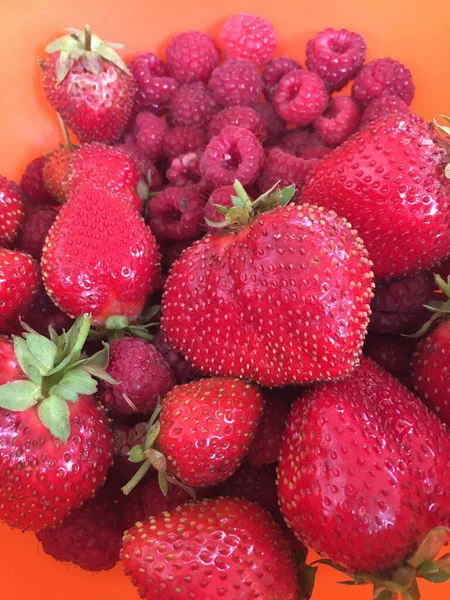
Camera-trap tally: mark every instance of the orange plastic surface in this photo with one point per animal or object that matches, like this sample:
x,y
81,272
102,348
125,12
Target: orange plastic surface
x,y
413,31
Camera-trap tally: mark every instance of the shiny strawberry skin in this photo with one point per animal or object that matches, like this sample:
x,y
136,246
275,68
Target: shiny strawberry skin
x,y
99,258
285,300
363,472
11,211
10,369
95,107
241,554
19,279
41,479
387,180
207,427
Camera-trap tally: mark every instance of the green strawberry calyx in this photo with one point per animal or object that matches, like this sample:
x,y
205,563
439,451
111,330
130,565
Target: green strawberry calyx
x,y
446,132
117,326
86,47
57,371
402,580
245,210
440,309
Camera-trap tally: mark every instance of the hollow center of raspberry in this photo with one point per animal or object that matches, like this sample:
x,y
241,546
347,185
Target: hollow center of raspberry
x,y
232,158
338,47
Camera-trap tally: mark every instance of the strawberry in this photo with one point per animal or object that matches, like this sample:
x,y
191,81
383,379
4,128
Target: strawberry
x,y
282,297
34,230
89,85
55,442
56,172
11,210
10,368
363,473
223,548
19,278
99,257
42,314
387,180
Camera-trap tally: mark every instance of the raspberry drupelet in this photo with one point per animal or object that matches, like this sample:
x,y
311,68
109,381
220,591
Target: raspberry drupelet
x,y
300,97
177,213
192,105
383,76
249,37
339,121
236,82
191,56
239,116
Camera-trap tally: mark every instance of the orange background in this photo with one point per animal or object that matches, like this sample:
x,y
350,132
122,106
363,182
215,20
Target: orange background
x,y
413,31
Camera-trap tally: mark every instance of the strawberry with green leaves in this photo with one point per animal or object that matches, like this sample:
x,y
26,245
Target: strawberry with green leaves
x,y
55,441
19,280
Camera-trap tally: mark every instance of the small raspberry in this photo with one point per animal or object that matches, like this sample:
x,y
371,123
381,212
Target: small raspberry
x,y
316,152
177,213
184,170
180,140
383,106
300,97
393,352
283,167
146,167
182,369
249,37
171,251
339,121
234,154
299,141
143,374
222,197
236,82
154,87
336,56
276,126
239,116
159,93
34,230
191,56
149,132
274,71
383,76
192,105
32,182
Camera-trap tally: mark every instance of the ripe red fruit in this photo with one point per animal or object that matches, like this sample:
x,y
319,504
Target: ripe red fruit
x,y
276,126
149,132
154,87
300,97
90,537
249,37
400,202
34,230
42,314
339,121
206,428
236,82
11,211
88,84
229,558
150,177
392,352
191,56
177,213
32,182
10,368
56,173
238,116
100,258
192,105
315,332
274,71
222,197
383,76
300,141
363,470
184,170
180,140
19,278
182,369
383,106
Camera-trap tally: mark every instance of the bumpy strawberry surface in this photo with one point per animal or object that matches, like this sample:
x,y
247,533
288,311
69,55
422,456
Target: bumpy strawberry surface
x,y
56,173
387,180
19,278
285,300
241,554
11,211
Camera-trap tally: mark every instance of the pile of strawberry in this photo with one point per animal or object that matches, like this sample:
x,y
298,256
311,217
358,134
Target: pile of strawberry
x,y
222,339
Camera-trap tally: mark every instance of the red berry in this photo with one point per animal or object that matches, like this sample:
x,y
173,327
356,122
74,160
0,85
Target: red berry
x,y
143,375
276,126
32,182
42,314
339,121
300,97
146,167
177,213
383,76
236,82
299,141
180,140
383,106
149,131
19,278
192,105
392,352
239,116
274,71
154,87
191,56
283,167
222,197
126,436
184,170
31,237
249,37
11,370
234,154
336,56
11,210
182,369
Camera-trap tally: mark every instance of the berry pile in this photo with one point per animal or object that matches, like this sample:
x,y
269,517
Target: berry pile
x,y
222,336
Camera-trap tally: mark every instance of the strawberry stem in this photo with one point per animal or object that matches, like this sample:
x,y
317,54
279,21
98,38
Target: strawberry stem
x,y
67,141
137,478
87,39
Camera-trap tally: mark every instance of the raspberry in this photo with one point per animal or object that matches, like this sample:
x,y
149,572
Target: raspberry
x,y
191,56
143,374
177,214
250,37
236,82
32,182
276,126
222,197
239,116
392,352
339,121
146,167
184,170
300,97
283,167
299,141
34,230
336,56
383,76
192,105
90,537
182,369
149,131
159,93
154,87
233,154
274,71
316,152
180,140
397,306
383,106
171,251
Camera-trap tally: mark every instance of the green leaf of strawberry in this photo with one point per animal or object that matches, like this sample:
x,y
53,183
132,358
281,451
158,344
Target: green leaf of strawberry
x,y
54,414
19,395
74,382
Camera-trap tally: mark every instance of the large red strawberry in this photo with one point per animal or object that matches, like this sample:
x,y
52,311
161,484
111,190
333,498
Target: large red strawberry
x,y
364,471
388,181
89,85
99,258
283,297
224,548
55,442
11,210
19,279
